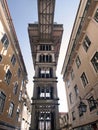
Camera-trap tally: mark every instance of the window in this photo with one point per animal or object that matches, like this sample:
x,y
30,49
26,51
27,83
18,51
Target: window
x,y
11,109
45,72
23,83
5,41
45,47
48,47
42,47
92,103
96,16
13,59
15,88
45,58
40,58
0,57
45,121
76,90
94,61
67,83
73,115
84,79
78,62
8,76
19,72
17,114
86,43
20,96
2,101
70,98
42,94
72,74
46,93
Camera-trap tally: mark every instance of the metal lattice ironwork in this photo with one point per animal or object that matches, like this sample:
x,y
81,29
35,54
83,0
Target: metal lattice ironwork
x,y
45,34
46,17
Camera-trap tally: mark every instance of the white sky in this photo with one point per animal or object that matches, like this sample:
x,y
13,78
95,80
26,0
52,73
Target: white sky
x,y
24,12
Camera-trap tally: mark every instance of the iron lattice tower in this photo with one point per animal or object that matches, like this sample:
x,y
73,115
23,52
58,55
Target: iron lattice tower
x,y
45,39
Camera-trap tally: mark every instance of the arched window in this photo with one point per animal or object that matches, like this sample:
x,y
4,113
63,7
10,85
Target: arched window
x,y
42,93
49,47
50,58
43,58
39,72
41,47
45,92
47,58
40,58
45,72
44,47
51,72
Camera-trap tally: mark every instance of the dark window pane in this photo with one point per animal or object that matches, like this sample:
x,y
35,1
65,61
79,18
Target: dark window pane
x,y
13,59
86,43
0,57
5,41
11,108
94,61
8,77
2,101
96,16
78,62
84,79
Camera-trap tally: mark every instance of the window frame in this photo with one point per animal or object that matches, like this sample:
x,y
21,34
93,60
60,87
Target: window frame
x,y
84,79
72,74
45,47
8,76
76,90
78,61
20,96
73,115
45,72
45,92
5,41
95,64
15,88
2,101
11,109
96,15
1,58
17,114
19,72
70,98
13,59
86,43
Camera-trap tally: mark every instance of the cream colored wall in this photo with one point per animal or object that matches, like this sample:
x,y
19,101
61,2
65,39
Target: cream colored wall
x,y
87,67
4,65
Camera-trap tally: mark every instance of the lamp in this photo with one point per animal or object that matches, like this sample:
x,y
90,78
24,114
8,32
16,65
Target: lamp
x,y
83,107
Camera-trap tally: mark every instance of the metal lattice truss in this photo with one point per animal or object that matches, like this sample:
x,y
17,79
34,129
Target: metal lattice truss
x,y
45,31
46,17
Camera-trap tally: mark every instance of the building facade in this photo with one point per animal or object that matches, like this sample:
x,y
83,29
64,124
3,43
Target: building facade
x,y
80,68
13,74
26,111
64,121
45,39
